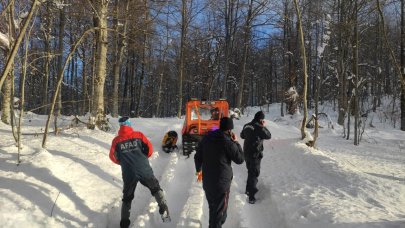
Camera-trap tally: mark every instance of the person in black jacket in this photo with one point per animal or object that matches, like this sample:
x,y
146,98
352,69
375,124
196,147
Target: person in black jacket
x,y
254,133
213,158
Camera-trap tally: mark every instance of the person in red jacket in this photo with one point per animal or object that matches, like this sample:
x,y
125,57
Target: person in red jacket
x,y
131,150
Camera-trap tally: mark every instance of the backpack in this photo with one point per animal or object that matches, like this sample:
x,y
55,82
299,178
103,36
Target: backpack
x,y
169,141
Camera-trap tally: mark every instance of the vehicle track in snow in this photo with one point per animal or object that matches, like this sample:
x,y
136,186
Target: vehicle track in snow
x,y
149,216
160,163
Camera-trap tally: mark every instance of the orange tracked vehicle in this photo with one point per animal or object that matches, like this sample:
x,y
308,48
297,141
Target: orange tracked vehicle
x,y
201,117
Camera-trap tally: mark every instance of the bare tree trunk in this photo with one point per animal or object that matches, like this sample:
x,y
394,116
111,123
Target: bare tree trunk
x,y
318,80
22,101
182,44
342,97
144,59
85,92
356,75
47,42
162,73
101,63
285,54
120,45
58,109
7,90
304,63
12,112
17,43
6,111
403,65
246,41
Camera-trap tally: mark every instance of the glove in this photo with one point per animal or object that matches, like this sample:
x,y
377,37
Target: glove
x,y
199,176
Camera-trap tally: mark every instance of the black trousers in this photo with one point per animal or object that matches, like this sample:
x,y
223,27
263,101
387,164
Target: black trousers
x,y
218,205
253,167
129,190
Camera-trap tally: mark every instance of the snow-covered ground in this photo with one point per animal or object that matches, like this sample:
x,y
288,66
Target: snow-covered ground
x,y
74,184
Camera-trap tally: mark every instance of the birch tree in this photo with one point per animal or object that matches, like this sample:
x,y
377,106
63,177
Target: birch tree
x,y
6,90
14,49
101,10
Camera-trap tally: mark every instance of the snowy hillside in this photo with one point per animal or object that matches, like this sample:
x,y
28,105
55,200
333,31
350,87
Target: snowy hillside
x,y
74,184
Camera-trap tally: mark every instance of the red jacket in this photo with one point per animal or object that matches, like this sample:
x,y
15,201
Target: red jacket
x,y
126,134
131,149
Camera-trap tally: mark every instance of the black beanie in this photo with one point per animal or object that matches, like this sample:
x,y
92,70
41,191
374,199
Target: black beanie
x,y
225,124
259,116
124,121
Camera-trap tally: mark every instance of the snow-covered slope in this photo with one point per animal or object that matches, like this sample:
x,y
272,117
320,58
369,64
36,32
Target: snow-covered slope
x,y
74,184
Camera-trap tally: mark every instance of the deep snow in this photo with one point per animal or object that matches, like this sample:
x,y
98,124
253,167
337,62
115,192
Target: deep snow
x,y
74,184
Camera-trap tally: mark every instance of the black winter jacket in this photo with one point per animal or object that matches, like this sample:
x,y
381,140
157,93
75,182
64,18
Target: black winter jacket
x,y
254,133
213,157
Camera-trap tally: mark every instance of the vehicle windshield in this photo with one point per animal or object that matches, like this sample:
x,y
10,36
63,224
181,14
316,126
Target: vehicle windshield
x,y
205,112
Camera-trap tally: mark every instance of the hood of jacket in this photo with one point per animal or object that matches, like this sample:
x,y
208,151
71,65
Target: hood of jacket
x,y
218,136
125,130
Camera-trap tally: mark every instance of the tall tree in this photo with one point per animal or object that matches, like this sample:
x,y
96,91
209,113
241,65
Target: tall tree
x,y
144,61
7,90
183,34
17,43
304,63
47,43
355,47
163,67
231,12
402,65
58,109
342,47
101,10
120,39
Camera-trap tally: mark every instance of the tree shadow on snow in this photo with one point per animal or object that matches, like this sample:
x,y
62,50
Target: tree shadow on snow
x,y
394,178
44,175
378,224
37,195
96,170
105,145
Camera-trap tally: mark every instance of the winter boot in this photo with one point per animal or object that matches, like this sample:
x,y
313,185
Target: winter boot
x,y
252,200
125,223
163,209
125,211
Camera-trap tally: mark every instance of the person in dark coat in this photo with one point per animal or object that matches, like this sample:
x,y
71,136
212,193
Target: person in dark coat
x,y
213,158
254,133
131,150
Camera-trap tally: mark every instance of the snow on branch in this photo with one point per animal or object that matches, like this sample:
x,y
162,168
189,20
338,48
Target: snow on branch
x,y
4,41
